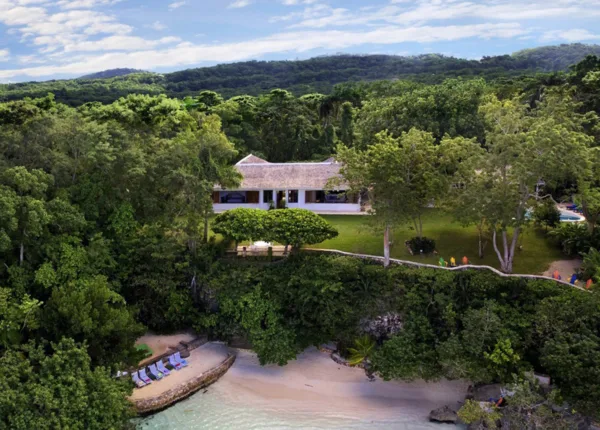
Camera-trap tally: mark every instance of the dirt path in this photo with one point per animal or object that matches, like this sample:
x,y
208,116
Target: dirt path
x,y
565,267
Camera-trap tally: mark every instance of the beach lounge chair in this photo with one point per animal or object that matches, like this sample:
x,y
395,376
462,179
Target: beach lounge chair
x,y
179,359
154,372
174,363
138,382
162,368
144,377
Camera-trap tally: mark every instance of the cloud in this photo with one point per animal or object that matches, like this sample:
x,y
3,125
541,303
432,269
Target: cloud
x,y
177,4
239,4
85,4
572,35
157,25
4,55
405,13
191,54
120,43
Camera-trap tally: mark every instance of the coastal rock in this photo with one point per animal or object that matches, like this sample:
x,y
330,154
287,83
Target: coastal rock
x,y
383,326
443,415
484,393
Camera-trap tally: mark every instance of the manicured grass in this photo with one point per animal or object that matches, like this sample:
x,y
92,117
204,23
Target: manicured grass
x,y
452,240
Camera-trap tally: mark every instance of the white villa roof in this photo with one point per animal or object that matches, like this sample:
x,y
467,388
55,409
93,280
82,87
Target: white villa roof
x,y
259,174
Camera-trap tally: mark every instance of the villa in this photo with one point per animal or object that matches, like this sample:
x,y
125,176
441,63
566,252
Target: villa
x,y
301,185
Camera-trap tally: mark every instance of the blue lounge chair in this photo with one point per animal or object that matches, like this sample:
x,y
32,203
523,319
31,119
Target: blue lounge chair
x,y
154,372
138,382
162,368
144,377
180,360
174,363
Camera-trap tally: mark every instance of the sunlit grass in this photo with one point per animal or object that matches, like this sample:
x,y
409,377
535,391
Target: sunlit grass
x,y
452,240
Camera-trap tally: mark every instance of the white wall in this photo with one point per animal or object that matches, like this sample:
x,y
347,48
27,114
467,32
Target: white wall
x,y
222,207
315,207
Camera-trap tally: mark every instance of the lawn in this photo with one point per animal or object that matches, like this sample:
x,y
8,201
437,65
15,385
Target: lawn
x,y
452,240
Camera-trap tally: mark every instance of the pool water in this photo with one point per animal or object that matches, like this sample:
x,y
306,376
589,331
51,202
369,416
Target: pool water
x,y
215,409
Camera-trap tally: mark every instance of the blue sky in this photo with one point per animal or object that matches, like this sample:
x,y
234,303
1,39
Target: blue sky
x,y
44,39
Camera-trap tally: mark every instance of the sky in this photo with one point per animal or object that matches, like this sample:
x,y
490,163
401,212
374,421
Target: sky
x,y
43,39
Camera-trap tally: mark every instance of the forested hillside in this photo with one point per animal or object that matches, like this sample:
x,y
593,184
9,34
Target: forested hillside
x,y
112,73
303,77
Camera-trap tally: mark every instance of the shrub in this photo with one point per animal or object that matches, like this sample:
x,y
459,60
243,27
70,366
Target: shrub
x,y
420,245
591,265
575,238
546,214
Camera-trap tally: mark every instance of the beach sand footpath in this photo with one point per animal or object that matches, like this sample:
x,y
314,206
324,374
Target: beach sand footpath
x,y
159,344
316,384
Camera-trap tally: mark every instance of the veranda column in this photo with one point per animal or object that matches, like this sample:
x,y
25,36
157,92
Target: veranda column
x,y
275,202
301,198
261,194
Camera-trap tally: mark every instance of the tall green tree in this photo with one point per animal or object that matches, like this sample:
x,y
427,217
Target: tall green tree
x,y
526,150
402,176
60,390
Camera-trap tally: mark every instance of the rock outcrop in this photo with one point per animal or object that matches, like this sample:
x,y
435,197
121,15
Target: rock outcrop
x,y
444,414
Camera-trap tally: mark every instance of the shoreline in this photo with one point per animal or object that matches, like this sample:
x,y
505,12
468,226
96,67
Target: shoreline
x,y
314,383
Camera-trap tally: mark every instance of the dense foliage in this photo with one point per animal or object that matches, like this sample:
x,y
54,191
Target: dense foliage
x,y
300,77
472,325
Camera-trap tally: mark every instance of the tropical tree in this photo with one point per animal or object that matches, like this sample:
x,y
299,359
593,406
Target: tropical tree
x,y
60,390
402,176
297,227
23,207
526,150
241,224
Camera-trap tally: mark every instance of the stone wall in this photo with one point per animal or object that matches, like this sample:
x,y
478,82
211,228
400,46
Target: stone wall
x,y
166,399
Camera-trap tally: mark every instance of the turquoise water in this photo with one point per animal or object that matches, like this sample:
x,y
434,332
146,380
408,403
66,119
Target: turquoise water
x,y
217,410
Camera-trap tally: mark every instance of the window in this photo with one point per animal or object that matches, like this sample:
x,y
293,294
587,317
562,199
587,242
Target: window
x,y
292,196
252,197
268,196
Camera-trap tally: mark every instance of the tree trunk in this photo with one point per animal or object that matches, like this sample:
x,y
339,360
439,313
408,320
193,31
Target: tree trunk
x,y
480,245
285,249
386,246
21,254
506,261
205,238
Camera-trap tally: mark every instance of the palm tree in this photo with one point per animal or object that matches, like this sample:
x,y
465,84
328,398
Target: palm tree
x,y
364,346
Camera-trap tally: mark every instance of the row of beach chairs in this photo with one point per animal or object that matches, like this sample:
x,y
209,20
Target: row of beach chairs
x,y
158,370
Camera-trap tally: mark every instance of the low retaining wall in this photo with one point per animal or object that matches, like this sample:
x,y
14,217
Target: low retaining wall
x,y
168,398
432,266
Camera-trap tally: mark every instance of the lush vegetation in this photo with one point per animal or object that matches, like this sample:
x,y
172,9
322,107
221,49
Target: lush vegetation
x,y
104,232
471,325
301,77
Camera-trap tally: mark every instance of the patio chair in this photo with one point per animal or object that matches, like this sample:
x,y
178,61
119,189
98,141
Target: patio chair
x,y
174,363
154,372
138,382
144,376
179,359
162,368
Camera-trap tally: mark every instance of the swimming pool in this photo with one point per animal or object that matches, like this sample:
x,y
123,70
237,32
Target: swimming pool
x,y
568,216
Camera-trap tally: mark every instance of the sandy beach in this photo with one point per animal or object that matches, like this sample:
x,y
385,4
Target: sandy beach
x,y
315,383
